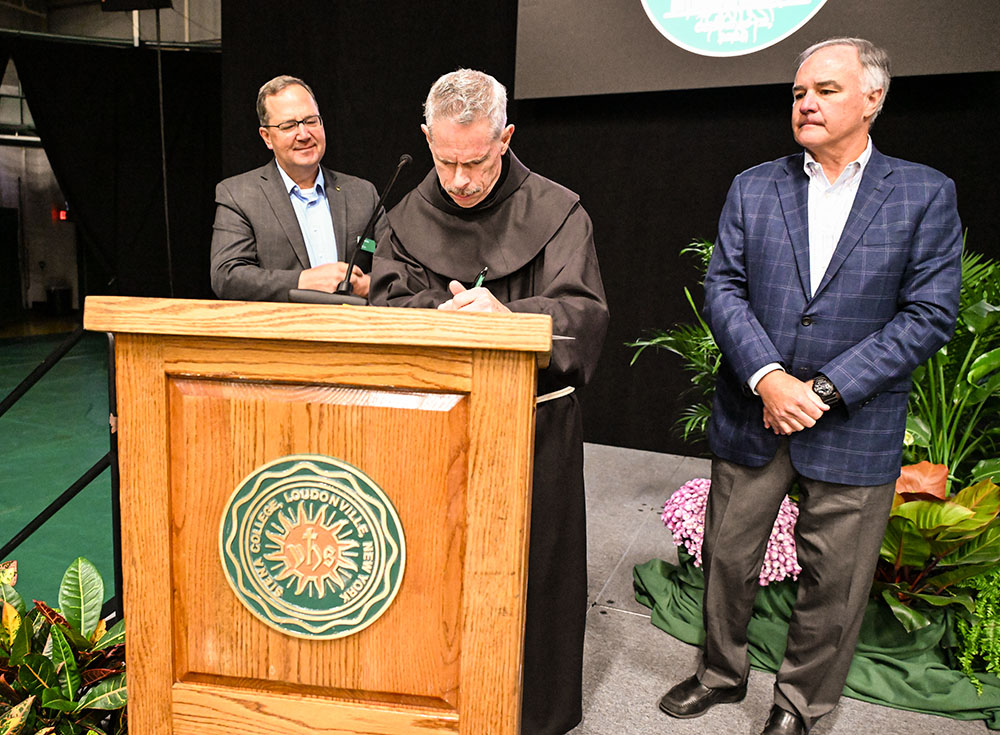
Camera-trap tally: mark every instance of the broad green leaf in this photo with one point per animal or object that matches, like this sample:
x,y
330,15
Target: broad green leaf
x,y
64,659
10,620
980,317
902,544
11,595
14,720
107,695
958,575
983,499
986,468
22,642
911,619
55,618
931,517
982,549
81,596
36,673
919,430
985,371
959,598
113,637
53,699
68,727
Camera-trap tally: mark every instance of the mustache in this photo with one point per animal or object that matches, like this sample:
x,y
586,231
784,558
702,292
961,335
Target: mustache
x,y
463,192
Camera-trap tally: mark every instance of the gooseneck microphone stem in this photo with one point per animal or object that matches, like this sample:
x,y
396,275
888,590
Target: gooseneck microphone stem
x,y
345,286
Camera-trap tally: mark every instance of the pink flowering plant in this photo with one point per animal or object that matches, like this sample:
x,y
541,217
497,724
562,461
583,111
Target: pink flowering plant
x,y
684,515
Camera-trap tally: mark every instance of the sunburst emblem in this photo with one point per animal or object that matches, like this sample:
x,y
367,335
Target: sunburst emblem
x,y
312,546
317,553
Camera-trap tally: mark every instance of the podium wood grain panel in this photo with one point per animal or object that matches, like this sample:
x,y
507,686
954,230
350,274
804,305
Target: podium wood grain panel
x,y
408,449
206,396
207,710
496,561
397,367
145,519
371,325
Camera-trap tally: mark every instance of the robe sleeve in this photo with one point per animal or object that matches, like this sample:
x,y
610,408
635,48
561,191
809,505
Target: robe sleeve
x,y
568,288
566,285
398,279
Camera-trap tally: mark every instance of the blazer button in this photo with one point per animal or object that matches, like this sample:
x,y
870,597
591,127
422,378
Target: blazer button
x,y
806,321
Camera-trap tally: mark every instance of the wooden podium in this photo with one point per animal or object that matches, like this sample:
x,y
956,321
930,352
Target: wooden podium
x,y
436,408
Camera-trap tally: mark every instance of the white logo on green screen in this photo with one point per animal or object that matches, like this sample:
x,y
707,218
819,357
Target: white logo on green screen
x,y
729,27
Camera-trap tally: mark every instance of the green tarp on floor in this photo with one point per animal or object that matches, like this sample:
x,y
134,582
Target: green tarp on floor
x,y
891,667
57,431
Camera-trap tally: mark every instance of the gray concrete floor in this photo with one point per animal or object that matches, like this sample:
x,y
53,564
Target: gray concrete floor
x,y
629,663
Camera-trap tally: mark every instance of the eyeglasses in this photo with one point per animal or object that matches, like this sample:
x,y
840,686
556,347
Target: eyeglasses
x,y
313,121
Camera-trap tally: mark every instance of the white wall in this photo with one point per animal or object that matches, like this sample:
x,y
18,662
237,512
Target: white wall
x,y
186,21
48,247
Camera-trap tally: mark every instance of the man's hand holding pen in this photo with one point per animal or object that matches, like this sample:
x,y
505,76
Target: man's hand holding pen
x,y
474,298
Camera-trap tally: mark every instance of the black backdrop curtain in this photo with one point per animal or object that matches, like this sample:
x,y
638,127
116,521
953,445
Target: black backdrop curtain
x,y
96,110
652,169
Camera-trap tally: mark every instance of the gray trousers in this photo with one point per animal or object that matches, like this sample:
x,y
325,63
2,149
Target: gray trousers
x,y
837,536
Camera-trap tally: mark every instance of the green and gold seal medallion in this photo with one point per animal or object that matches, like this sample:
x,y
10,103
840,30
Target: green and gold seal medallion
x,y
312,546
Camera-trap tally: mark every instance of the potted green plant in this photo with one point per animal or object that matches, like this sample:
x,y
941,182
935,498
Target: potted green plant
x,y
695,344
934,544
954,417
62,671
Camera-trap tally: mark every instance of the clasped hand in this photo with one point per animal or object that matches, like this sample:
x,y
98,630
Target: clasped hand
x,y
472,299
328,276
790,404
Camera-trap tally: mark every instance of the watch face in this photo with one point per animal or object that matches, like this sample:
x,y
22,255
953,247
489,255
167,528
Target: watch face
x,y
825,390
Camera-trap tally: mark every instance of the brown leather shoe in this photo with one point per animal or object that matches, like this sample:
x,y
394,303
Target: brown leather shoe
x,y
691,698
783,722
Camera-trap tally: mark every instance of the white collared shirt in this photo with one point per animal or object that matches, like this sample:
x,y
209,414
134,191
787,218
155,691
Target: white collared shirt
x,y
829,207
312,210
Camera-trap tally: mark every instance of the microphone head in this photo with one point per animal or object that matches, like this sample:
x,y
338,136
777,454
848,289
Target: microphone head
x,y
405,159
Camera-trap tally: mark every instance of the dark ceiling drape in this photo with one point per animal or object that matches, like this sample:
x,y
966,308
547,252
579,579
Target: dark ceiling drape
x,y
96,110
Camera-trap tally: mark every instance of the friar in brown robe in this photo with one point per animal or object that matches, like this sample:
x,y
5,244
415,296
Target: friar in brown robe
x,y
537,241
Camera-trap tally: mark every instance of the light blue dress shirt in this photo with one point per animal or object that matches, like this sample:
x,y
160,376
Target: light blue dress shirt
x,y
312,209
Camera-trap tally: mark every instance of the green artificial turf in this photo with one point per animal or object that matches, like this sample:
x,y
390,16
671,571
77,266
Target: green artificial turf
x,y
54,434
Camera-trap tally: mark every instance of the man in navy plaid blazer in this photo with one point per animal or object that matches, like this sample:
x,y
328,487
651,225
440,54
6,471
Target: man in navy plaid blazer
x,y
835,274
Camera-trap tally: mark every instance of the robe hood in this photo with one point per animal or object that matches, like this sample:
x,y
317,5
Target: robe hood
x,y
504,232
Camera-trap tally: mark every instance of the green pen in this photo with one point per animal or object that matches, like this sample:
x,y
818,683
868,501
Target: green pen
x,y
481,277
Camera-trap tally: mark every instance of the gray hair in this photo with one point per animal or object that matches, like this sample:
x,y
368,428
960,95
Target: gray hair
x,y
275,86
465,96
874,65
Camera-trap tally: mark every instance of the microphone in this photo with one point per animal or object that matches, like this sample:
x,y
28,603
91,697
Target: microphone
x,y
345,291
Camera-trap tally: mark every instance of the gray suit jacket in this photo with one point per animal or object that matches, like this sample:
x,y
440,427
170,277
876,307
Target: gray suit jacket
x,y
257,246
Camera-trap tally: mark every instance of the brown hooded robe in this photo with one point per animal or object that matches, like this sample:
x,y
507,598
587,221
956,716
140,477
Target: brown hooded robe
x,y
538,243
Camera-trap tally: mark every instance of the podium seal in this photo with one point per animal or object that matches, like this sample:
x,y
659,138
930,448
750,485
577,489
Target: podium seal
x,y
312,546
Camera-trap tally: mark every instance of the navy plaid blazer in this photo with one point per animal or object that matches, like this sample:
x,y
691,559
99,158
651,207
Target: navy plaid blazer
x,y
887,302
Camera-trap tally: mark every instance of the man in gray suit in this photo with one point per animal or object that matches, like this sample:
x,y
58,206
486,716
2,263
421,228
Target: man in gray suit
x,y
291,223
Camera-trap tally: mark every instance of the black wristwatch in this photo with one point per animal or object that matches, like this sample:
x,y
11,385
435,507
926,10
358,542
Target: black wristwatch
x,y
825,390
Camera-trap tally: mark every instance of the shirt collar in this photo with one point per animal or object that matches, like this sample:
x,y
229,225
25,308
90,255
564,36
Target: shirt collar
x,y
812,167
291,187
